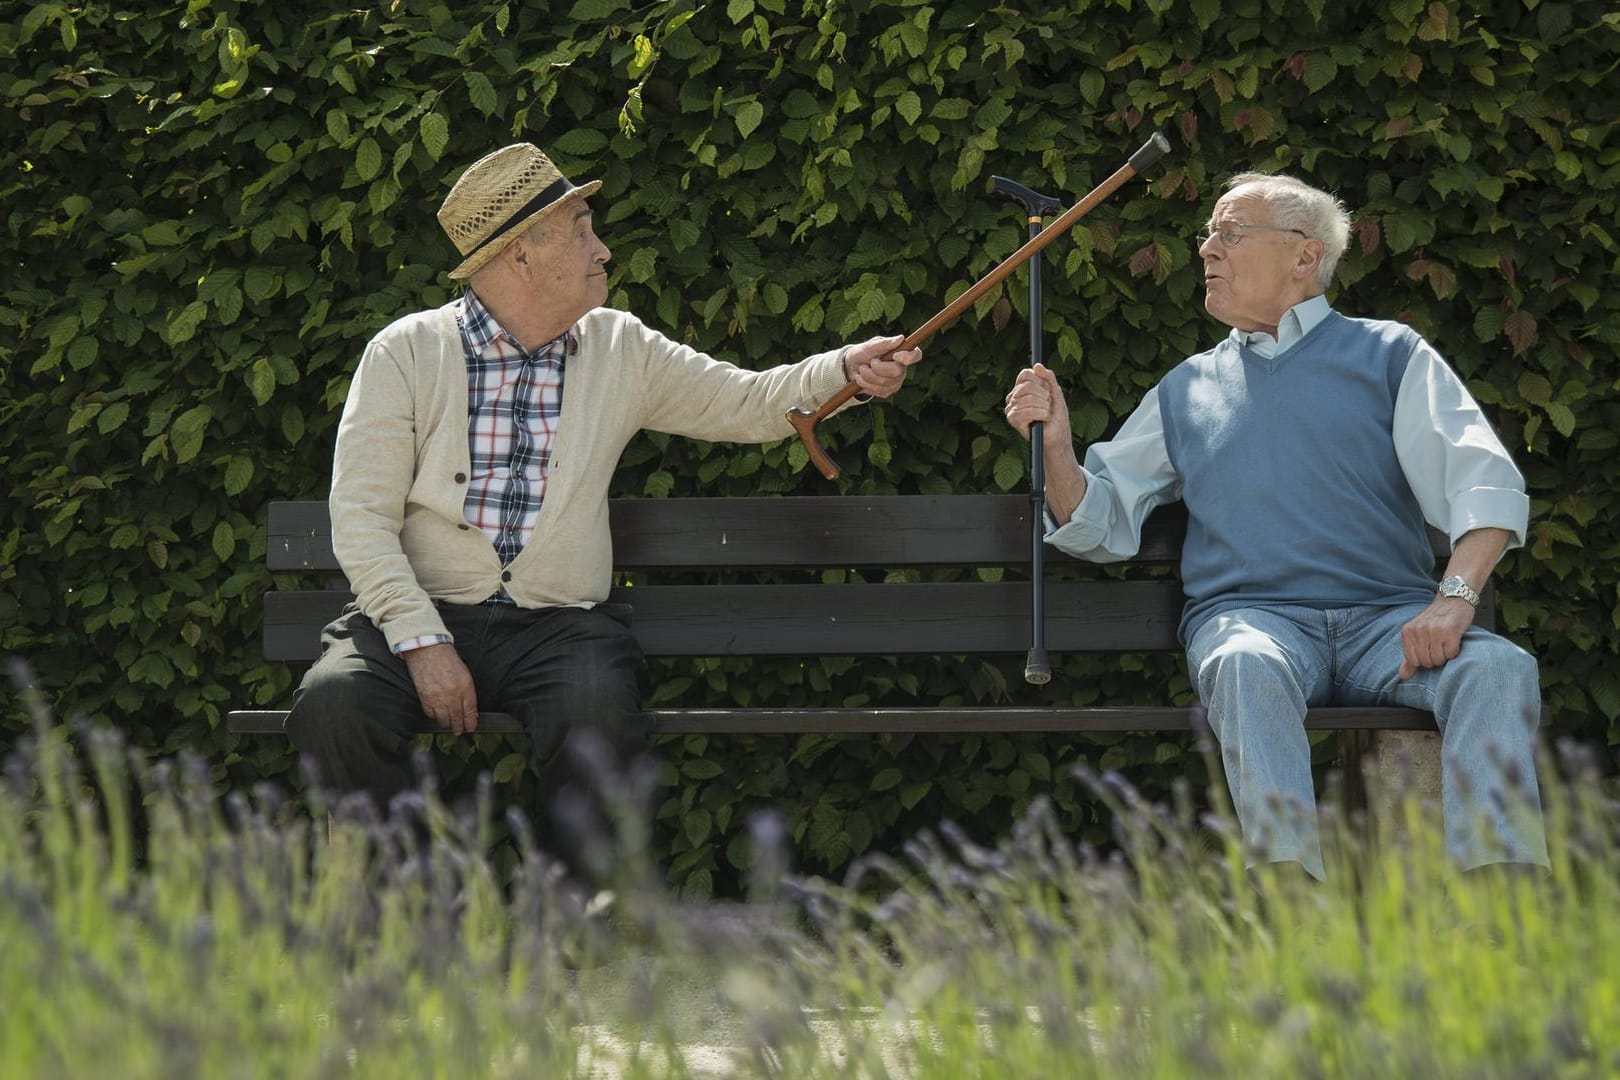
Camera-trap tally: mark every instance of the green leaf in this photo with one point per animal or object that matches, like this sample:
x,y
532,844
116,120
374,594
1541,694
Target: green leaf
x,y
697,824
481,92
186,433
701,769
886,779
112,417
262,380
748,117
909,106
1320,70
435,134
183,326
1009,469
596,10
580,142
368,159
1563,420
238,474
260,283
223,542
292,424
337,125
1535,388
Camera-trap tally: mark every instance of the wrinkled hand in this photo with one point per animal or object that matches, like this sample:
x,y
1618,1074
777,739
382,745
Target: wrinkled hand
x,y
1435,635
1036,397
445,687
876,367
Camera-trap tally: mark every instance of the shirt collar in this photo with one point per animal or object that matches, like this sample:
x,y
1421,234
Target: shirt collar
x,y
480,330
1296,322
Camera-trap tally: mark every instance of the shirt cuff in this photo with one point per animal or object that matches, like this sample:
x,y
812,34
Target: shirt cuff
x,y
1087,527
421,643
1490,508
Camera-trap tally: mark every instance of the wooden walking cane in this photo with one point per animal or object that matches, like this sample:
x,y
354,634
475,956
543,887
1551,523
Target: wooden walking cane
x,y
805,421
1037,666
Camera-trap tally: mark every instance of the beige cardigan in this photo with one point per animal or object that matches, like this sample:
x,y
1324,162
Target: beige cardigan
x,y
399,477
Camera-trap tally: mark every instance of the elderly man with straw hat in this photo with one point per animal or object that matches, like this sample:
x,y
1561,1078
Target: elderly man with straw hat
x,y
470,483
1310,449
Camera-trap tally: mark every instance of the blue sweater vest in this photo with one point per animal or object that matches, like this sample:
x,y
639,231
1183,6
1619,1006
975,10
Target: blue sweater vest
x,y
1288,469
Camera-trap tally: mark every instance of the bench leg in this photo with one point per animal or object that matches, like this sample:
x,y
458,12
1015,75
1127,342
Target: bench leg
x,y
1383,767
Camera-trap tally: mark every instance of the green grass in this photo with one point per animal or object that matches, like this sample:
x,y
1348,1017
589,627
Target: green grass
x,y
148,929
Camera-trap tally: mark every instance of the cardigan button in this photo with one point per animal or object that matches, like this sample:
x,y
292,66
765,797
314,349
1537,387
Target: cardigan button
x,y
461,478
464,526
506,575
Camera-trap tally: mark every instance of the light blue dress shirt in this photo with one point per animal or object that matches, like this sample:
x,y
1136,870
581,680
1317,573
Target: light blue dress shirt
x,y
1458,469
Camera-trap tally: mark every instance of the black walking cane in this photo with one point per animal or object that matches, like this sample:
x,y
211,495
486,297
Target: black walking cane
x,y
1037,669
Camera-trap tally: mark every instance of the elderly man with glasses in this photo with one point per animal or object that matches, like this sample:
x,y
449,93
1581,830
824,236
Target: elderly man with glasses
x,y
1310,449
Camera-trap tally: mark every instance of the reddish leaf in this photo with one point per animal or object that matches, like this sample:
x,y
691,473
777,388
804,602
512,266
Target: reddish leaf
x,y
1509,271
1133,117
1370,233
1001,314
1144,260
1189,127
1417,268
1520,329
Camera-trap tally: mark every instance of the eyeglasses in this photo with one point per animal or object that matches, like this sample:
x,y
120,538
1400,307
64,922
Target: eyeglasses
x,y
1231,232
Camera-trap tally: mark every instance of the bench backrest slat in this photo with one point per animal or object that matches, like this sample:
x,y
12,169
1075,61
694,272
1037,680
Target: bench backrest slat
x,y
785,620
756,533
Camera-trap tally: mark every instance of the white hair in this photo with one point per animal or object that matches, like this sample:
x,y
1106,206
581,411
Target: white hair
x,y
1318,214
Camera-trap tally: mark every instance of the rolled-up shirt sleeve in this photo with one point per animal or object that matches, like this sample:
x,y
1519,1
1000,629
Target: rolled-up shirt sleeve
x,y
1457,467
1127,478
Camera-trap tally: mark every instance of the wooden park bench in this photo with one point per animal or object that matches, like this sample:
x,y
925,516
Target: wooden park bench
x,y
1102,613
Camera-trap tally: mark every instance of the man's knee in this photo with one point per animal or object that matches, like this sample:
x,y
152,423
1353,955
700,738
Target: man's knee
x,y
610,708
1251,660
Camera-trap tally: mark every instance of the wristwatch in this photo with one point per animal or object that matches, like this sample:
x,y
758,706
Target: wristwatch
x,y
1456,586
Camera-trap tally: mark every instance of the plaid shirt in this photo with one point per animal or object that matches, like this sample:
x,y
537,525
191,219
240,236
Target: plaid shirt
x,y
513,401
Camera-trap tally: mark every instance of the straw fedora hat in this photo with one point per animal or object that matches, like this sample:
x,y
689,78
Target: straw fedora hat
x,y
499,196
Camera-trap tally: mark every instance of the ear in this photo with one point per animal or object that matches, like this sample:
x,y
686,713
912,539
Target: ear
x,y
1310,257
520,254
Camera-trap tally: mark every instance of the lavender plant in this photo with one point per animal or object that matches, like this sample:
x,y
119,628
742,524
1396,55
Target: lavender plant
x,y
152,928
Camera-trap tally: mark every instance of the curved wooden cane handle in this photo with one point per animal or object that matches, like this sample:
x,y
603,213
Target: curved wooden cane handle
x,y
804,421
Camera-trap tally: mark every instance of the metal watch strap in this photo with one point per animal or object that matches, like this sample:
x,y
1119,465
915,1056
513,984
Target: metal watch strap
x,y
1456,586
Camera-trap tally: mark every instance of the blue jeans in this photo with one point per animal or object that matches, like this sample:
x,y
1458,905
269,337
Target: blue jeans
x,y
1258,669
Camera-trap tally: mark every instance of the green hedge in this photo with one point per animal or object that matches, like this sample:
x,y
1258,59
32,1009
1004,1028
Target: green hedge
x,y
208,210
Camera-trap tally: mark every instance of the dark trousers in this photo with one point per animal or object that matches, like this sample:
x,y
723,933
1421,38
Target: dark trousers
x,y
561,672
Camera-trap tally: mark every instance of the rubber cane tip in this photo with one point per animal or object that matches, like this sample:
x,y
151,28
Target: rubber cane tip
x,y
1152,150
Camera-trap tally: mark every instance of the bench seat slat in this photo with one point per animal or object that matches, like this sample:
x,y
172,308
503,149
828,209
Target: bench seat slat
x,y
924,720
